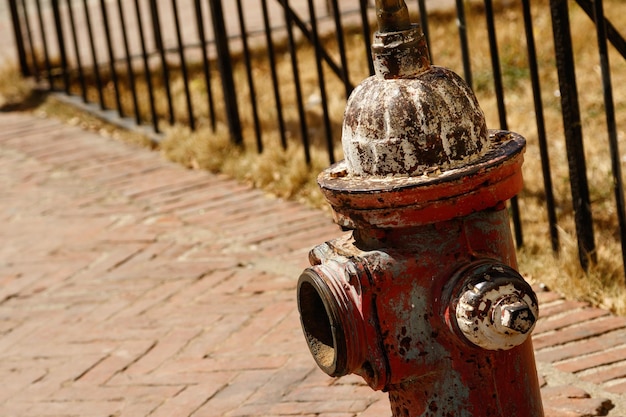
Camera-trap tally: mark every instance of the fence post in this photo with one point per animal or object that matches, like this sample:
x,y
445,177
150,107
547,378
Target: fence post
x,y
226,71
609,106
460,21
541,125
573,132
19,42
61,41
156,31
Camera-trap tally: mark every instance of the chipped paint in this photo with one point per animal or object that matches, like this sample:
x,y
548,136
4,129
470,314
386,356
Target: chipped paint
x,y
413,126
402,307
496,308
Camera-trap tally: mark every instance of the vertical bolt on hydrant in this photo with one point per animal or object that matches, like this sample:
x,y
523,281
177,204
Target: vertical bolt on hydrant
x,y
422,299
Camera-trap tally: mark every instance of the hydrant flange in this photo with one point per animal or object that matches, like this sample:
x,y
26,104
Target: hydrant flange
x,y
336,310
401,201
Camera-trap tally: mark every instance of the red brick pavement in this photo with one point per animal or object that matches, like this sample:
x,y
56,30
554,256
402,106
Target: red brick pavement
x,y
130,286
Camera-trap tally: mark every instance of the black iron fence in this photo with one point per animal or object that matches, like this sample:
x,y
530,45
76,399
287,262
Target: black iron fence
x,y
202,63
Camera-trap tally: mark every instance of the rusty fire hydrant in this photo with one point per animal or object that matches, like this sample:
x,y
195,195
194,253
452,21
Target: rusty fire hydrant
x,y
422,299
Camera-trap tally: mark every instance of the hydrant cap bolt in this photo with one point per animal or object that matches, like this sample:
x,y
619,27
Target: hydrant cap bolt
x,y
495,309
515,316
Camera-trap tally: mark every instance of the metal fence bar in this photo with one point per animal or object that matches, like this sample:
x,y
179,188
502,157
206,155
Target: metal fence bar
x,y
44,43
363,5
250,78
616,165
129,65
226,71
146,67
612,34
94,56
290,18
294,19
495,64
465,55
206,68
499,90
322,83
156,30
271,55
156,23
79,63
183,66
573,132
341,42
30,41
421,6
58,26
110,51
19,38
541,127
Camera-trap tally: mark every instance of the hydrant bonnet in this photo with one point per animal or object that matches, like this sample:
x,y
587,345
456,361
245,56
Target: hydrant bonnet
x,y
410,127
422,298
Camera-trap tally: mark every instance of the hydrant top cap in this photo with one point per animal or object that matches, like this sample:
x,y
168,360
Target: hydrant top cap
x,y
409,127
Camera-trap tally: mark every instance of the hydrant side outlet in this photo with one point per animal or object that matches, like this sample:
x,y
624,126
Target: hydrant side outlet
x,y
337,313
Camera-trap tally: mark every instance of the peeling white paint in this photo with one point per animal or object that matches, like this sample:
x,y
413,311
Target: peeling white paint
x,y
407,127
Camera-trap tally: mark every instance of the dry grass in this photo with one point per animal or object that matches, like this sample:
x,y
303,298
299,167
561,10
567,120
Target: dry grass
x,y
280,172
14,89
285,174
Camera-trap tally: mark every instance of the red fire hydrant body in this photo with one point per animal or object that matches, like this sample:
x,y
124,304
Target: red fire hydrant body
x,y
423,299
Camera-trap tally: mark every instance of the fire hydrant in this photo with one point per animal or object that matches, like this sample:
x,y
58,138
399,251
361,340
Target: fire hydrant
x,y
422,299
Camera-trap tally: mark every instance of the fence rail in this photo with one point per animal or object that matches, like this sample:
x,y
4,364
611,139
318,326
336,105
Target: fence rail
x,y
134,51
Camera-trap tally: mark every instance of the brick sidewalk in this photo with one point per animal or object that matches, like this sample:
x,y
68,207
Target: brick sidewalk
x,y
130,286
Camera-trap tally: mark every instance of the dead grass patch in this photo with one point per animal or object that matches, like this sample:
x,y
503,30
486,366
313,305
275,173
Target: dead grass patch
x,y
15,90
